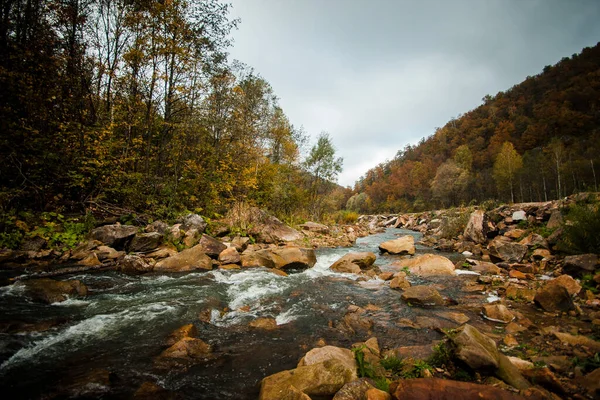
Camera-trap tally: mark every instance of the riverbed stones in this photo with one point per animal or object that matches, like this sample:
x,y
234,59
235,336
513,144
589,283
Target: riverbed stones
x,y
314,227
484,267
187,349
422,295
345,266
132,264
50,291
185,331
354,390
211,246
322,354
428,265
497,313
145,242
505,249
115,236
264,323
443,389
475,349
399,282
280,258
187,260
402,245
475,230
230,256
364,260
554,298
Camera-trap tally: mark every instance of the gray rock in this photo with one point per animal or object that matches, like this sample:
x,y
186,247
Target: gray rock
x,y
211,246
131,264
422,296
193,221
116,236
145,242
475,349
505,249
475,230
580,264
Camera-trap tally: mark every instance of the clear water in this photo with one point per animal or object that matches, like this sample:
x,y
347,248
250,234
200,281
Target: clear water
x,y
123,323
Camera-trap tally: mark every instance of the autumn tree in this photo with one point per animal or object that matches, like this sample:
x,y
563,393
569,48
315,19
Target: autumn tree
x,y
506,167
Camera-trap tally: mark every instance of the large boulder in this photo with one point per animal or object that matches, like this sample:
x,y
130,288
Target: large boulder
x,y
345,266
230,256
476,229
192,221
402,245
363,260
145,242
554,298
314,227
188,260
132,264
281,258
321,354
263,227
51,291
566,281
116,236
422,296
428,265
444,389
475,349
497,313
555,220
580,264
211,246
505,249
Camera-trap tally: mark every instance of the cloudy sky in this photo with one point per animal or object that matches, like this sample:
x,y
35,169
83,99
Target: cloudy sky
x,y
380,74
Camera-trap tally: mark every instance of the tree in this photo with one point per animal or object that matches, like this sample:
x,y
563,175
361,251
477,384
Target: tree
x,y
507,165
450,181
324,167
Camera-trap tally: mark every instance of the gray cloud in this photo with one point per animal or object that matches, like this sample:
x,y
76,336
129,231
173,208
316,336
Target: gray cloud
x,y
378,75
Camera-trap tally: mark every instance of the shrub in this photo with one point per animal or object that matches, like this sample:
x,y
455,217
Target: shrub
x,y
345,217
581,230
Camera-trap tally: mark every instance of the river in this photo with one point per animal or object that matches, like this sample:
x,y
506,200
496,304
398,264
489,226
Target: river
x,y
121,326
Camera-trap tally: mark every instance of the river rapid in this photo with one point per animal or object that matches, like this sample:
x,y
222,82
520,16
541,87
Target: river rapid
x,y
121,326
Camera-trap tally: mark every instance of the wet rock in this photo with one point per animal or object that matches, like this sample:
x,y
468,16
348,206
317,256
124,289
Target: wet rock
x,y
554,298
211,246
422,296
314,227
185,350
428,265
91,384
230,256
151,391
322,354
354,390
267,324
193,221
402,245
345,266
51,291
580,264
132,264
443,389
475,349
364,260
186,331
356,320
280,258
476,229
116,236
145,242
504,249
591,383
457,317
399,282
566,281
497,313
188,260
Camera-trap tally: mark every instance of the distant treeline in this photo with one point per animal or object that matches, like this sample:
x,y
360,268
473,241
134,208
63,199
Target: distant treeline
x,y
537,141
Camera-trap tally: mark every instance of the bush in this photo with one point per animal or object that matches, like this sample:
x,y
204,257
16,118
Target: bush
x,y
581,230
345,217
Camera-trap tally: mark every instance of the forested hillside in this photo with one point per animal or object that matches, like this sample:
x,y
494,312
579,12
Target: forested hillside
x,y
135,103
537,141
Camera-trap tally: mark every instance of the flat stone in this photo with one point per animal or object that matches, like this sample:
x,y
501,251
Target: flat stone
x,y
364,260
187,260
402,245
422,296
428,265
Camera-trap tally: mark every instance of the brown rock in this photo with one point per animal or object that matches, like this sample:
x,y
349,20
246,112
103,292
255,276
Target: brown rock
x,y
555,220
188,260
484,267
51,291
187,348
164,251
345,266
578,340
591,383
515,233
546,379
376,394
386,276
115,236
497,313
534,239
513,273
280,258
554,298
151,391
580,264
314,227
240,243
399,282
325,353
364,260
422,296
108,253
90,260
442,389
504,249
566,281
131,264
186,331
267,324
230,256
402,245
428,265
211,246
356,389
145,242
518,293
475,349
476,229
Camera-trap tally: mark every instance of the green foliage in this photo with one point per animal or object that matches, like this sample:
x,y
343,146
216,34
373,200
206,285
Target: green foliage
x,y
441,355
580,231
416,370
345,217
406,270
60,232
588,283
365,369
382,383
392,364
587,364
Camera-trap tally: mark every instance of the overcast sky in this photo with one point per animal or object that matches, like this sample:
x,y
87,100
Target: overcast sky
x,y
380,74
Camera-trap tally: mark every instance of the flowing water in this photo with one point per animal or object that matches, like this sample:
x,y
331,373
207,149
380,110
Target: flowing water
x,y
121,326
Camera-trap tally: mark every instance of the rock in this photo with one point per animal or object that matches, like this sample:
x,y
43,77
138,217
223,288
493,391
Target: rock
x,y
230,256
546,379
515,233
580,264
51,291
578,340
443,389
175,232
187,348
364,260
267,324
555,236
422,296
108,253
534,240
555,220
345,266
518,293
145,242
94,384
475,349
164,251
89,261
484,267
158,226
116,236
322,379
355,320
151,391
354,390
497,313
475,230
521,364
186,331
386,276
131,264
516,274
504,249
193,221
240,243
428,265
211,246
322,354
554,298
510,374
281,258
591,383
188,260
519,216
566,281
402,245
399,282
35,243
376,394
84,249
540,254
314,227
